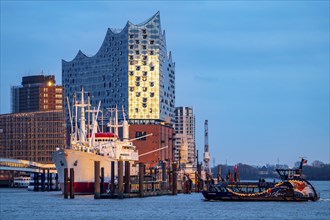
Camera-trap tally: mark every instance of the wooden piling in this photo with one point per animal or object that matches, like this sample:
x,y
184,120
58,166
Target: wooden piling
x,y
49,180
71,183
36,181
141,179
163,186
127,177
200,182
151,178
43,180
65,191
112,186
120,179
175,180
56,182
170,179
97,194
102,180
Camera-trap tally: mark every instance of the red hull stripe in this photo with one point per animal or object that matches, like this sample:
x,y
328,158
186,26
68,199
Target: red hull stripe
x,y
84,187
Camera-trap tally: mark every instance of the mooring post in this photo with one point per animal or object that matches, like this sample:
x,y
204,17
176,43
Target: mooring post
x,y
175,180
196,182
97,194
43,180
66,179
71,183
49,180
56,181
112,186
163,176
151,178
102,180
199,170
35,181
170,179
127,177
141,179
120,179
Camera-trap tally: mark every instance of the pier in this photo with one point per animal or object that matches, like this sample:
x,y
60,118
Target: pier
x,y
140,185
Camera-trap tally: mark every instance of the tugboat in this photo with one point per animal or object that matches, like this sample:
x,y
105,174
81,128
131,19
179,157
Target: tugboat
x,y
292,188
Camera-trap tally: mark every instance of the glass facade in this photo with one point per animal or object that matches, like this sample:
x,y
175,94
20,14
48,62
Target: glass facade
x,y
132,69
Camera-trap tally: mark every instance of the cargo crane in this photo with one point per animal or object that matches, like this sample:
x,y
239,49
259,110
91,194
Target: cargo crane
x,y
207,168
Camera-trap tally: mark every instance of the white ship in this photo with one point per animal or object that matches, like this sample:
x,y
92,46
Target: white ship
x,y
88,145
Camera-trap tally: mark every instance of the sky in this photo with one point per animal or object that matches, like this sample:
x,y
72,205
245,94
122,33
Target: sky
x,y
258,71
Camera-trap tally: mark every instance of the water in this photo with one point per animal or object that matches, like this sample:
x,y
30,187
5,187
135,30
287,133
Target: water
x,y
23,204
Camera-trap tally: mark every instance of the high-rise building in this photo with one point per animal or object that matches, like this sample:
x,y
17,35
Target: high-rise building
x,y
132,69
37,93
184,135
32,136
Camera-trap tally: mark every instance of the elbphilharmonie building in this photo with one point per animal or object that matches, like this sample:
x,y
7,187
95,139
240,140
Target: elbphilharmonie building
x,y
132,69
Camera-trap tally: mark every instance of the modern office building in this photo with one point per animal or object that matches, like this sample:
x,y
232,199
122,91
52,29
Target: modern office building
x,y
185,149
37,93
132,69
32,136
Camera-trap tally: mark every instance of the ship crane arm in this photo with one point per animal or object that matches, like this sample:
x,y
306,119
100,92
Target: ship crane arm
x,y
153,151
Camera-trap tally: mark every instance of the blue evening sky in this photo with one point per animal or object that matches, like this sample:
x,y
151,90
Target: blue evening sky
x,y
257,70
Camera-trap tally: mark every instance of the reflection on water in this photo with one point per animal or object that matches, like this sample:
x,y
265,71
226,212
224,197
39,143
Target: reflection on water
x,y
23,204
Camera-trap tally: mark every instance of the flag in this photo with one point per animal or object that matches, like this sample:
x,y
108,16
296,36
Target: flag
x,y
304,161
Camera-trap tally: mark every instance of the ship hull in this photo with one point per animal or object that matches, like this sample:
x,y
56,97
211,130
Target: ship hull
x,y
234,198
83,165
290,190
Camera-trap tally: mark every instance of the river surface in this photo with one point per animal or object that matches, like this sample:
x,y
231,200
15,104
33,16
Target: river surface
x,y
23,204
